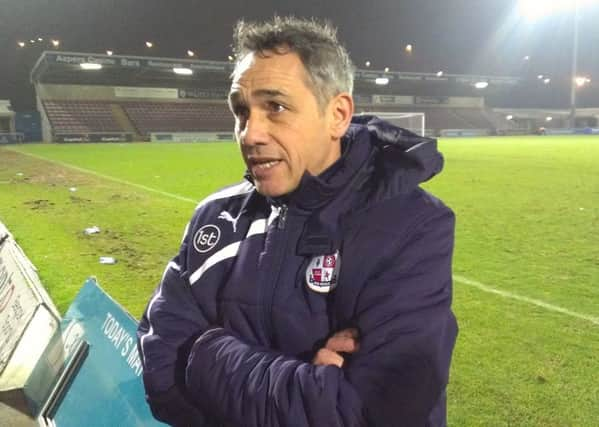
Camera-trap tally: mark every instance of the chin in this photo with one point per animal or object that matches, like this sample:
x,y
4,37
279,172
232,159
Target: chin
x,y
270,190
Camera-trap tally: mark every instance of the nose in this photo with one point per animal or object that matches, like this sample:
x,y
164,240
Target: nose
x,y
253,130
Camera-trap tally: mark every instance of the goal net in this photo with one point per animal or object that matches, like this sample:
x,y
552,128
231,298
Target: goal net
x,y
411,121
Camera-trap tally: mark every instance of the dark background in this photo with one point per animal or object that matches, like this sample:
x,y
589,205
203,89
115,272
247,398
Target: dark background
x,y
456,36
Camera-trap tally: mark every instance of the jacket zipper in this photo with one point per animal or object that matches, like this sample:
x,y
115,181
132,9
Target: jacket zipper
x,y
277,264
282,217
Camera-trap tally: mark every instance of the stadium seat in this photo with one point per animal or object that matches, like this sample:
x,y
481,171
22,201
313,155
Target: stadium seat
x,y
150,117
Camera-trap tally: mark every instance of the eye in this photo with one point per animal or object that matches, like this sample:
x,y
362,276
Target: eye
x,y
275,107
240,112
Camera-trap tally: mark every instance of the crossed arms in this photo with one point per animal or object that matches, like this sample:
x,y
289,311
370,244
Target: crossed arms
x,y
390,370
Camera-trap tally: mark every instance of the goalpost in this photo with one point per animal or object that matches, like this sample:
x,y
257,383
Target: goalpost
x,y
414,122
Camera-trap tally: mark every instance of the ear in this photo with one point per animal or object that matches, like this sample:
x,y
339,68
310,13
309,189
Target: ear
x,y
340,111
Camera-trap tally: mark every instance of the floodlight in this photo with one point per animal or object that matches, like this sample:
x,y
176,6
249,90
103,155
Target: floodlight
x,y
527,58
581,81
382,81
509,117
55,43
481,85
409,48
149,44
547,81
183,71
109,52
90,66
32,41
39,39
386,69
536,9
548,118
21,44
230,57
540,76
190,53
439,73
367,63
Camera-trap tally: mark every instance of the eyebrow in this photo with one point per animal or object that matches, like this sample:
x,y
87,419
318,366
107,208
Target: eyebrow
x,y
269,93
236,96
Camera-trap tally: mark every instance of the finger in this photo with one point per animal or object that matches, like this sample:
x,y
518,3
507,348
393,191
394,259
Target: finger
x,y
342,344
328,357
349,333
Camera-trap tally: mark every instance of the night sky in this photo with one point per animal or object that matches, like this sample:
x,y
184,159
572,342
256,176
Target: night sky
x,y
457,36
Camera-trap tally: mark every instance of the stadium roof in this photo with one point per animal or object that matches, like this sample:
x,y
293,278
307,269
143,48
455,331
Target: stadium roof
x,y
65,67
461,36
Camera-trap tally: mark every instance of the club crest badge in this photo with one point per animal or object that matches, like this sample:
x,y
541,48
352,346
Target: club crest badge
x,y
322,272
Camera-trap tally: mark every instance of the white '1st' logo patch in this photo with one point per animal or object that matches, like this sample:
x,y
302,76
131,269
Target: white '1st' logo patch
x,y
206,238
322,272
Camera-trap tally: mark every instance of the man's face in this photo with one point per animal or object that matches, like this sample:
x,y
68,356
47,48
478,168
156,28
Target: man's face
x,y
278,124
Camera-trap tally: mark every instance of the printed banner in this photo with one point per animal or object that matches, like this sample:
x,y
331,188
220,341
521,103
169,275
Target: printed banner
x,y
98,379
20,294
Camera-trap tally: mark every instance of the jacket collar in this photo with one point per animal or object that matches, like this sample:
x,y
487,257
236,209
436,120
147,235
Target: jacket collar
x,y
314,192
378,161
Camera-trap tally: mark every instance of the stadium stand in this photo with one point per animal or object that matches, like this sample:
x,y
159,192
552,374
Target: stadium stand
x,y
150,117
133,98
439,118
81,117
472,118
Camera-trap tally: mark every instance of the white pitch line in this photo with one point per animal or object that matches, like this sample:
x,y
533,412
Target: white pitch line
x,y
111,178
457,278
538,303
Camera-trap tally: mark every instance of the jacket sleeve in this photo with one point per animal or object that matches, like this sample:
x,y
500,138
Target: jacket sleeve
x,y
395,379
171,323
408,330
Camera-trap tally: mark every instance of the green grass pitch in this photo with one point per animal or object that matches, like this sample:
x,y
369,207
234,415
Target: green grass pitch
x,y
526,262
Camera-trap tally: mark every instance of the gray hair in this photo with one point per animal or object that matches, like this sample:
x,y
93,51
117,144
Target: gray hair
x,y
327,64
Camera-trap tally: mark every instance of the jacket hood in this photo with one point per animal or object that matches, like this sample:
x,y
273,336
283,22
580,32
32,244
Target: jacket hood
x,y
371,148
405,159
379,161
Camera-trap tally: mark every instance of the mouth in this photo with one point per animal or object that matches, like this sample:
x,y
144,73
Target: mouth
x,y
259,165
266,165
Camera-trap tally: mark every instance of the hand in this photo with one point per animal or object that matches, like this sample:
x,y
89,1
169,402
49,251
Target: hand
x,y
345,341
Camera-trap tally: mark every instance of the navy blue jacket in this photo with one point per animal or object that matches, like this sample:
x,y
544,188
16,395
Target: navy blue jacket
x,y
260,284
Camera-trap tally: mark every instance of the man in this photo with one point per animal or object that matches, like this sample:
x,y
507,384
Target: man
x,y
318,291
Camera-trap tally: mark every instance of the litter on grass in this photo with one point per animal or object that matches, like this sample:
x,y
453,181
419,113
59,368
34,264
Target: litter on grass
x,y
92,230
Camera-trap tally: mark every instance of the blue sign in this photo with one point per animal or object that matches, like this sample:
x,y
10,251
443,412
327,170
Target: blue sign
x,y
30,125
99,380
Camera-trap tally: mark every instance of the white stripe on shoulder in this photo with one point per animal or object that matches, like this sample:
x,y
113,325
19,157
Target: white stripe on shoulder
x,y
257,227
229,251
185,232
241,188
